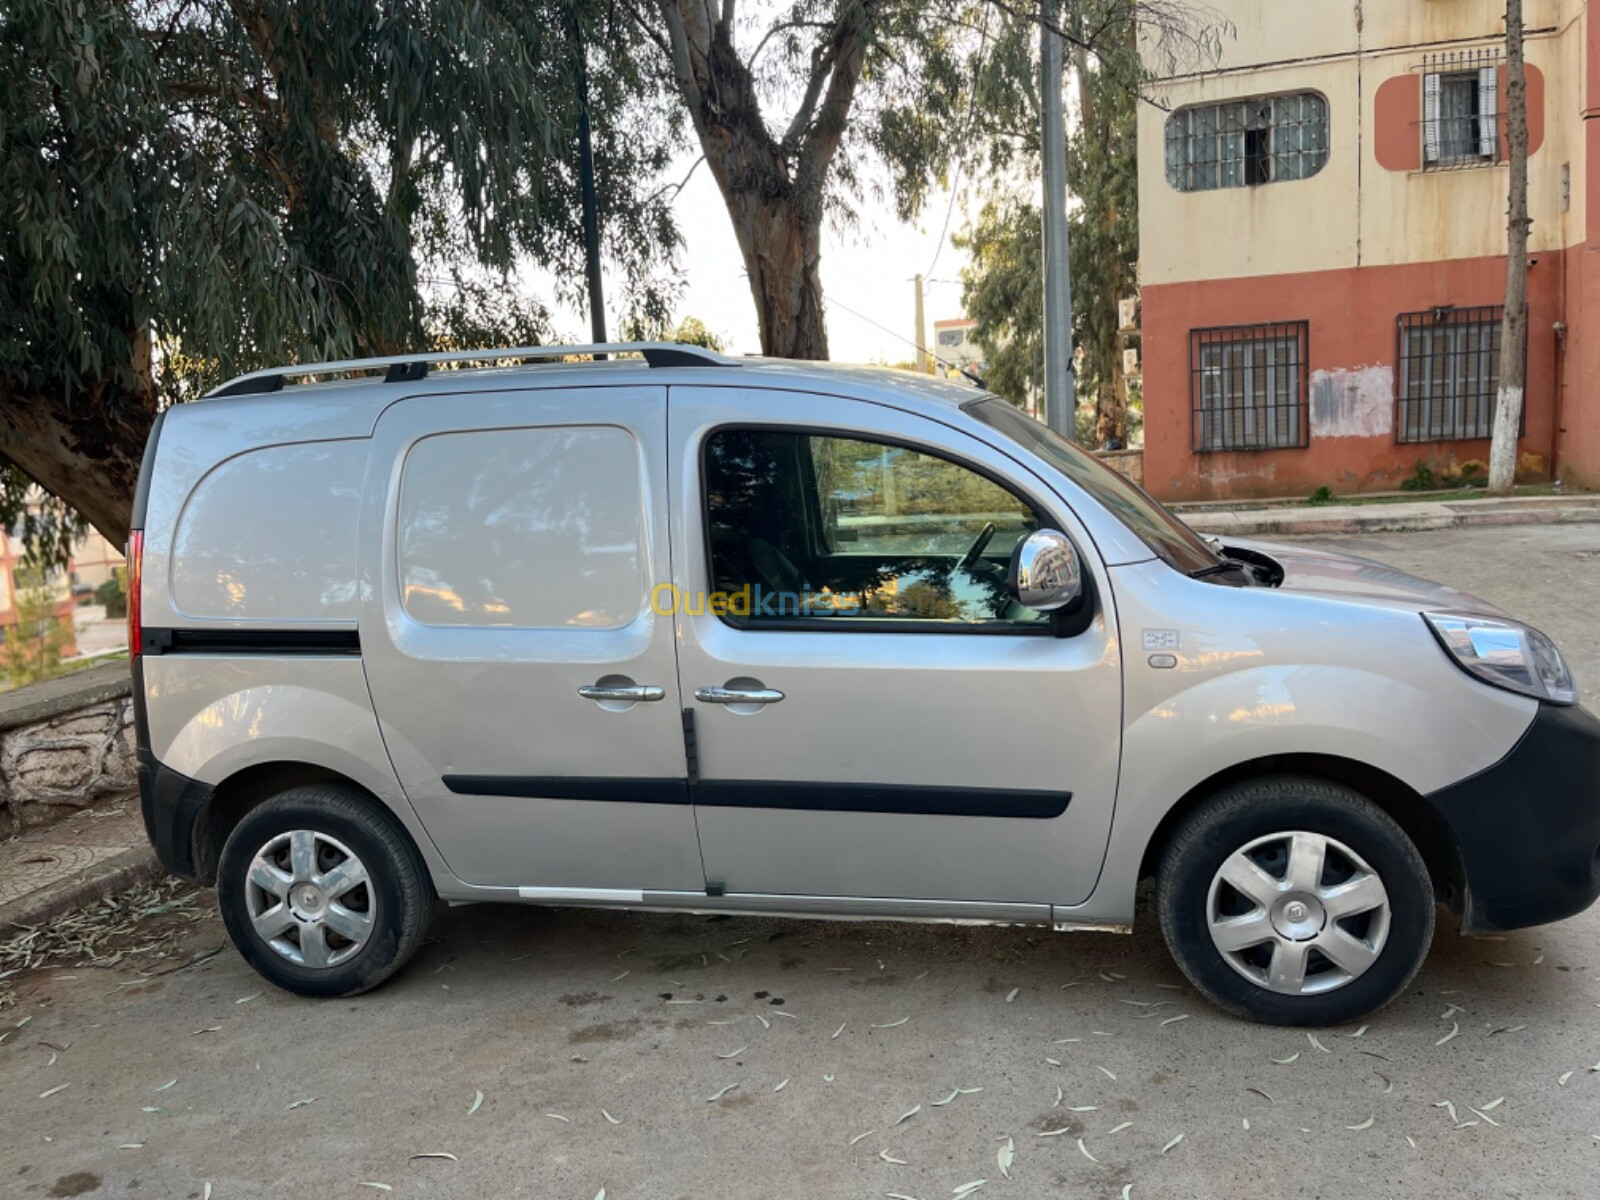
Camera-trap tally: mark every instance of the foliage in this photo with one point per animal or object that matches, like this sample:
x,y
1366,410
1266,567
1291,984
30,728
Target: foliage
x,y
1004,280
1004,292
198,188
802,111
1322,495
691,331
1422,479
33,646
113,596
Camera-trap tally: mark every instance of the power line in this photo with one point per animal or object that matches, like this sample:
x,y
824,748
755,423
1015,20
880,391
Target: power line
x,y
955,183
943,362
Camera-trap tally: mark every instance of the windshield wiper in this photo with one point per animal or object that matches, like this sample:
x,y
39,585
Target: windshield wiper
x,y
1226,564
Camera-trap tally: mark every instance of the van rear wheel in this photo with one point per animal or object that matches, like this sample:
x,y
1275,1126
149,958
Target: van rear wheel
x,y
323,893
1295,901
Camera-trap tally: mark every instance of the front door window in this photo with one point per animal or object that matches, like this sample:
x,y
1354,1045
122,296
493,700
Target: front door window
x,y
819,529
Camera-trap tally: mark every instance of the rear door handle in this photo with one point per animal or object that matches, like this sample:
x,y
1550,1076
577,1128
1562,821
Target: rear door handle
x,y
632,693
725,695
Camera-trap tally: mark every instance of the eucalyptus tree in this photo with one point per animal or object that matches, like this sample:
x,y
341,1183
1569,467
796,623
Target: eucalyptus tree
x,y
195,187
1004,277
804,108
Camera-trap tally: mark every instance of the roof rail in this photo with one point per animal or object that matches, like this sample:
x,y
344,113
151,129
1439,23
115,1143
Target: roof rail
x,y
409,368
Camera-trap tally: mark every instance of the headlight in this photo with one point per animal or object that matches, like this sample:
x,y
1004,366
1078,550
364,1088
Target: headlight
x,y
1506,654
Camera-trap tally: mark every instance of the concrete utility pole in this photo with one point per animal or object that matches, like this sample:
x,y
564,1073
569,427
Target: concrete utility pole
x,y
924,359
1514,325
1060,391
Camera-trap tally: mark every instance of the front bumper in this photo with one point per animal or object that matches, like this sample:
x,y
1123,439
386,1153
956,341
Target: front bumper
x,y
1528,828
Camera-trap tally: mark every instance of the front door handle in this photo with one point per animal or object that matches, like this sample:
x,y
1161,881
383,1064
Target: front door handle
x,y
727,695
632,693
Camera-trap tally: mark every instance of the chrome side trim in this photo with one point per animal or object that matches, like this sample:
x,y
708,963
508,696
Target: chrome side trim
x,y
1090,927
859,908
558,895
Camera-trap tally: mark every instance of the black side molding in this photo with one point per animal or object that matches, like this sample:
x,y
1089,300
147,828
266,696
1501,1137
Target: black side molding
x,y
905,799
572,787
250,641
908,799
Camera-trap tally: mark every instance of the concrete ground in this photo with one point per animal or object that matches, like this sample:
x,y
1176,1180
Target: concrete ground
x,y
668,1056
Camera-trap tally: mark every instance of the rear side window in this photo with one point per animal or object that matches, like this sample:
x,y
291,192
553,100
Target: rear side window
x,y
837,529
529,528
270,535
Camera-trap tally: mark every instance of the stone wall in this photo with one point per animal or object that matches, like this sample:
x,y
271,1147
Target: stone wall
x,y
65,744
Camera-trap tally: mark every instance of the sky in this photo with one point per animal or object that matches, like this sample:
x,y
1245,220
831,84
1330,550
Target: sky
x,y
867,271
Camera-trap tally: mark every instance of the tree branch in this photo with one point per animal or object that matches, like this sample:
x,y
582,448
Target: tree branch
x,y
849,51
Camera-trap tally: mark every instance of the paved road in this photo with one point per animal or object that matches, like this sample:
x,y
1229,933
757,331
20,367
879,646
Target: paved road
x,y
562,1017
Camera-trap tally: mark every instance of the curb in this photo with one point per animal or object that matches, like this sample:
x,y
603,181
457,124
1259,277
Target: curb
x,y
115,874
1374,520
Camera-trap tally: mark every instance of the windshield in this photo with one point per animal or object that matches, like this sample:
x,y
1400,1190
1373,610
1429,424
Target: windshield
x,y
1170,538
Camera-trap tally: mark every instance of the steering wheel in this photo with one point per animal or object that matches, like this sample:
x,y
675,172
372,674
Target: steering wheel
x,y
985,535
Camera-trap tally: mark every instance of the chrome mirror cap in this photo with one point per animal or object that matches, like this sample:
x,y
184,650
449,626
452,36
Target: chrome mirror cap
x,y
1046,573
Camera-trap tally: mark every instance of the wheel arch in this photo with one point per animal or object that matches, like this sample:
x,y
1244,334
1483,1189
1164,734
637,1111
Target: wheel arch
x,y
250,787
1421,822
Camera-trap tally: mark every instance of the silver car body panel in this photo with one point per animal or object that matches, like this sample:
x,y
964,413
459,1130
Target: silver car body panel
x,y
950,709
1336,661
484,701
212,716
1264,672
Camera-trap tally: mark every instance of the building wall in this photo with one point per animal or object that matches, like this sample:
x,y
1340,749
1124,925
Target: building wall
x,y
1370,236
95,560
11,554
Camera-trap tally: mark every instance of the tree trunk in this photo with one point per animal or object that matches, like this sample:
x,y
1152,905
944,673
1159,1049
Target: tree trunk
x,y
1514,327
782,249
773,187
87,453
1111,405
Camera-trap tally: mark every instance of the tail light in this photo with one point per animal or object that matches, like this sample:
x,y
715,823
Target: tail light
x,y
135,578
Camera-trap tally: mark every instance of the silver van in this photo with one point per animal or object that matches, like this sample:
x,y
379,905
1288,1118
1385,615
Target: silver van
x,y
675,631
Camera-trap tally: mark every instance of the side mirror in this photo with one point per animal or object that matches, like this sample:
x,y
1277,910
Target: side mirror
x,y
1046,573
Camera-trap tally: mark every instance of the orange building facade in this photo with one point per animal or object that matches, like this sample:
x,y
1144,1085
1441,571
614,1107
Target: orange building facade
x,y
1322,255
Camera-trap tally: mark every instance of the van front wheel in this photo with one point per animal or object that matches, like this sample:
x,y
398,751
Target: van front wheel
x,y
323,894
1295,901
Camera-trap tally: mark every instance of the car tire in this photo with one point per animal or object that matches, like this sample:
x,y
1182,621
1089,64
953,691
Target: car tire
x,y
1278,947
323,892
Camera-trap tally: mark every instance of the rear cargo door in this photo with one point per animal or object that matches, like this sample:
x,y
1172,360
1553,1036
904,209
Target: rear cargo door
x,y
527,693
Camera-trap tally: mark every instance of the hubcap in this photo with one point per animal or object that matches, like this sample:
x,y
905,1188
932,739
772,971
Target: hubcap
x,y
310,899
1298,913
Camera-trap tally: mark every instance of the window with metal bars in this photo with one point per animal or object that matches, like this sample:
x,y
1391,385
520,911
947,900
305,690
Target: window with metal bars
x,y
1460,109
1449,373
1248,386
1243,143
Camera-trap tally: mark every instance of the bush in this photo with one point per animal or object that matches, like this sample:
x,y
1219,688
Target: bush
x,y
1422,480
1323,495
110,594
